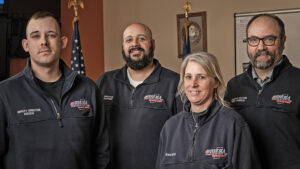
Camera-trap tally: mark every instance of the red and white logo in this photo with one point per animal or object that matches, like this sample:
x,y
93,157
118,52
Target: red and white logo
x,y
154,98
80,104
282,99
216,153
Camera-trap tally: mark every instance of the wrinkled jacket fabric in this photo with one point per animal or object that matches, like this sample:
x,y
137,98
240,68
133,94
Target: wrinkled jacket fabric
x,y
36,133
272,112
136,115
222,141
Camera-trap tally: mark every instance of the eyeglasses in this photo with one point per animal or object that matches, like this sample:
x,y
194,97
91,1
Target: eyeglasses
x,y
268,40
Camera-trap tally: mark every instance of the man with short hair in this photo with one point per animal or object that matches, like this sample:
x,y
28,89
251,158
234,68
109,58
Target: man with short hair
x,y
138,99
267,94
50,117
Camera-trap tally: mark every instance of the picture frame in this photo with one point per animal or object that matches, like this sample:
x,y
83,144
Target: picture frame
x,y
197,32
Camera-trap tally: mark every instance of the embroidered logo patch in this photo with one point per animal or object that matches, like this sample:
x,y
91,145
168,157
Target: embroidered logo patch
x,y
80,104
239,99
154,98
282,99
216,153
29,112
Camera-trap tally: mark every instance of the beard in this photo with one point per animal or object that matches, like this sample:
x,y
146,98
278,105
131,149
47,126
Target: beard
x,y
141,63
265,63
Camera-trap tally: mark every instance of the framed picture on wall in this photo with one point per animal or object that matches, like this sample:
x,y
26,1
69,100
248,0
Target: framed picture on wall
x,y
197,32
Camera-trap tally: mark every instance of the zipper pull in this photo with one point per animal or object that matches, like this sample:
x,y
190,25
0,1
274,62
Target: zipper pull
x,y
59,120
259,92
196,128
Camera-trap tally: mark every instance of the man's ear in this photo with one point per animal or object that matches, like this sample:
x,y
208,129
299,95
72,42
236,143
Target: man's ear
x,y
25,45
64,42
153,44
283,41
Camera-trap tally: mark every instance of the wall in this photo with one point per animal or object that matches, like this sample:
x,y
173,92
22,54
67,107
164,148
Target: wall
x,y
160,15
91,35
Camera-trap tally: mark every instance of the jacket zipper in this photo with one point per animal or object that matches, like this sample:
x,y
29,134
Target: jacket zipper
x,y
194,141
132,99
58,115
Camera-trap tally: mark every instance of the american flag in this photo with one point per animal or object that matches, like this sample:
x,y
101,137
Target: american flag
x,y
77,62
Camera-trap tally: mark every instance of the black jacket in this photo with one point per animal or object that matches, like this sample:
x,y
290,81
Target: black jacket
x,y
222,141
273,113
35,133
136,115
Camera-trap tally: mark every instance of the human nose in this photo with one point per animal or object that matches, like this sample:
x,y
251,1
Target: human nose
x,y
136,42
44,40
194,82
261,44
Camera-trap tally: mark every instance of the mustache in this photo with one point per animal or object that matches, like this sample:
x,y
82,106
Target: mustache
x,y
263,52
136,48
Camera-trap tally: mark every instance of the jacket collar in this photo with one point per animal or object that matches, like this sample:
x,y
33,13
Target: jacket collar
x,y
67,72
121,74
204,116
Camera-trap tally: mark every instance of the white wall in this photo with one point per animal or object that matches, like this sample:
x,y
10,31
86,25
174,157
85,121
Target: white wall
x,y
160,16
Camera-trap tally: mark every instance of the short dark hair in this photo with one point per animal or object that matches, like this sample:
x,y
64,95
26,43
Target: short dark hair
x,y
276,18
43,14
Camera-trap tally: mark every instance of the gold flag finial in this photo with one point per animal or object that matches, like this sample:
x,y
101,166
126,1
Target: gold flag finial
x,y
75,4
187,8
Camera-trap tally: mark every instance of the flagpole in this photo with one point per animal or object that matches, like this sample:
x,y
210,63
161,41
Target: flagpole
x,y
77,62
186,43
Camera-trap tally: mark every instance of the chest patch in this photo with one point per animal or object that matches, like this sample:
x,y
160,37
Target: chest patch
x,y
216,153
154,98
282,99
80,104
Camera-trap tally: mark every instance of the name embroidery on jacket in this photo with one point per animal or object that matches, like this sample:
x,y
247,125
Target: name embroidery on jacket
x,y
216,153
105,97
29,112
170,154
282,99
239,99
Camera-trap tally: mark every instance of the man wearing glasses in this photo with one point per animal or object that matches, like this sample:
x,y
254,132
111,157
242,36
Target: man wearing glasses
x,y
267,95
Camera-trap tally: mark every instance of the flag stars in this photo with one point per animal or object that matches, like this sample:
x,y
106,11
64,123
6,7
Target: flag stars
x,y
73,51
76,41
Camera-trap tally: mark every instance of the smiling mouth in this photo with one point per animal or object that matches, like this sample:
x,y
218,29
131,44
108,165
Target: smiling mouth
x,y
194,92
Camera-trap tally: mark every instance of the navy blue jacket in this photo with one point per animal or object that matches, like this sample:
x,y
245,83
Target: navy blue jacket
x,y
36,133
222,141
136,115
273,113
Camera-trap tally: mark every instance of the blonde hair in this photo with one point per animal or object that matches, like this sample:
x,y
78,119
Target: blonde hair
x,y
210,64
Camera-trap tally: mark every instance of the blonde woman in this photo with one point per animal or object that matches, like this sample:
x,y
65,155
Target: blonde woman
x,y
206,134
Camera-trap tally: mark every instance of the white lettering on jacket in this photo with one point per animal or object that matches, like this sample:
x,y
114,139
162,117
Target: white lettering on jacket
x,y
29,112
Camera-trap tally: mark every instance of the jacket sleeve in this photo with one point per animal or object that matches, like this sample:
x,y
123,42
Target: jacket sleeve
x,y
244,153
159,152
101,144
227,93
3,136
